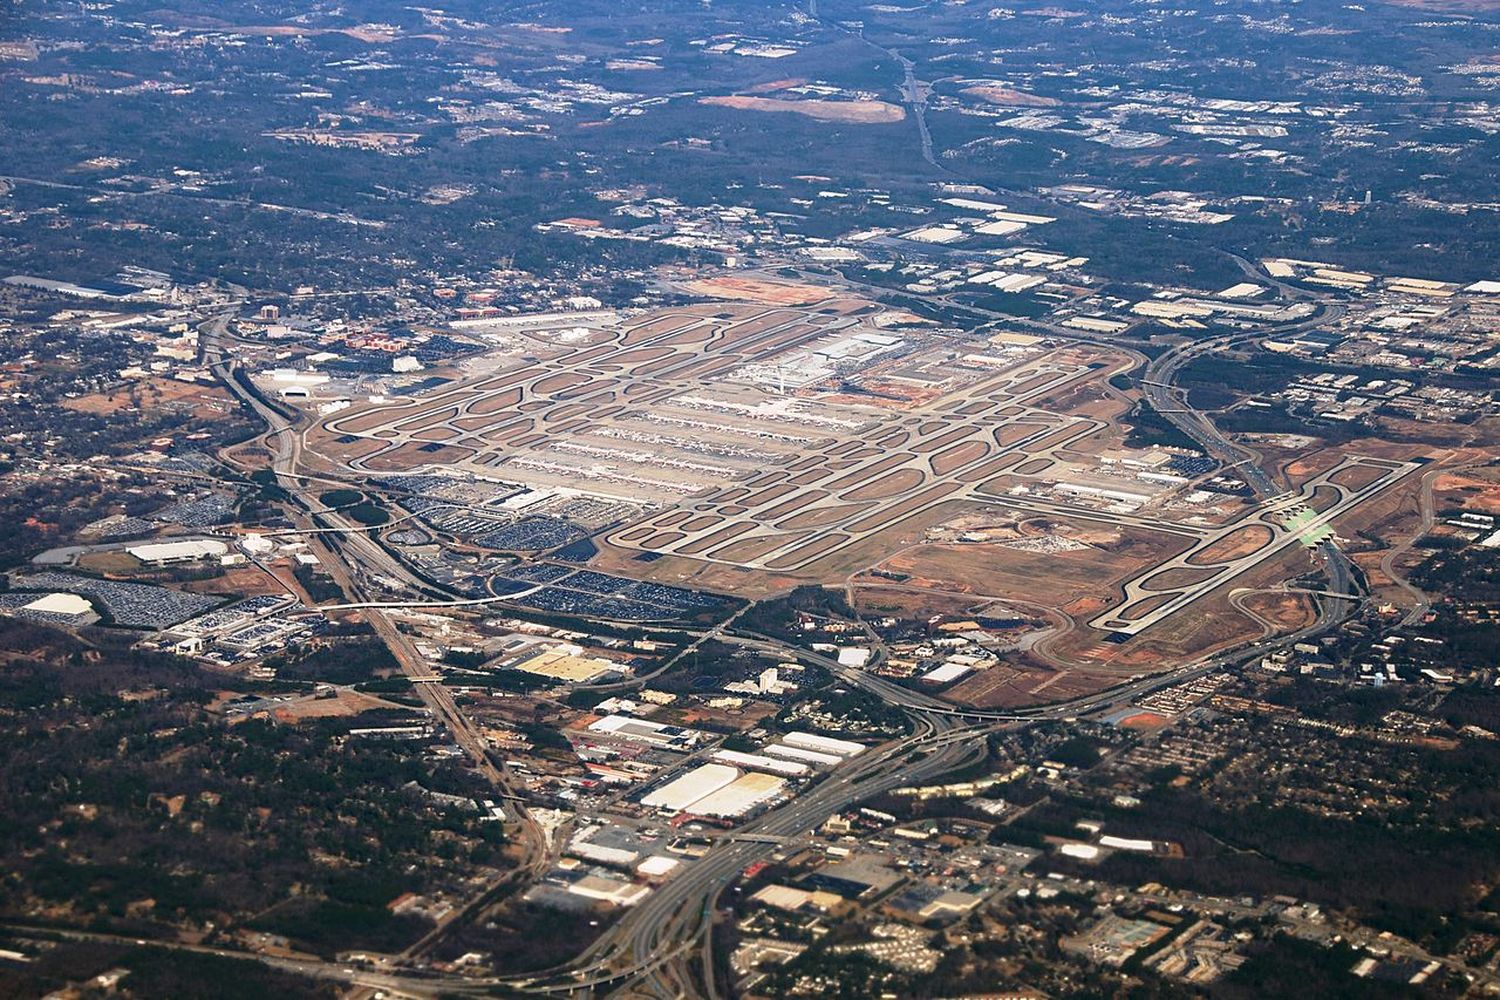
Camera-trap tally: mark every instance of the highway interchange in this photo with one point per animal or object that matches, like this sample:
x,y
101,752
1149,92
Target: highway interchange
x,y
662,947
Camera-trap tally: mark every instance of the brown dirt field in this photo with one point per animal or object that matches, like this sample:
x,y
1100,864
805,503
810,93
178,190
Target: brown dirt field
x,y
702,523
1287,611
1369,564
1053,579
1300,470
724,534
1145,720
410,456
792,505
1010,97
958,456
776,293
737,719
502,400
367,420
850,112
943,440
820,516
666,324
1029,684
877,599
343,705
907,396
1145,606
887,486
203,400
1471,490
1357,476
1235,545
240,581
1034,466
753,548
775,85
1182,576
870,472
808,551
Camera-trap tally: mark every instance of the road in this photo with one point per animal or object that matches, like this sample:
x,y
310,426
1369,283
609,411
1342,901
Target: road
x,y
340,555
662,947
1159,386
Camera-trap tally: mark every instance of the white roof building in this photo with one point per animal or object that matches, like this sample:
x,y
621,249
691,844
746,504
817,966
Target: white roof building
x,y
190,550
823,744
68,605
678,794
740,796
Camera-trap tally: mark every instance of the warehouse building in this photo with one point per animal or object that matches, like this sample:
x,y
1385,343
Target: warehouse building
x,y
169,553
746,793
678,794
823,744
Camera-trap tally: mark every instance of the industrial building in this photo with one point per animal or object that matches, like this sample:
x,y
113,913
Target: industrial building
x,y
565,663
678,794
744,794
823,744
643,731
761,762
169,553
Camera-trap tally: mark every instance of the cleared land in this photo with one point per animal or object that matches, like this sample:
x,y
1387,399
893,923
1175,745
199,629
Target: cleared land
x,y
852,112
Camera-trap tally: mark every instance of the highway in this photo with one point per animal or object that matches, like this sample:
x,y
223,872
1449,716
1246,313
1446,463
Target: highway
x,y
662,947
1158,383
282,442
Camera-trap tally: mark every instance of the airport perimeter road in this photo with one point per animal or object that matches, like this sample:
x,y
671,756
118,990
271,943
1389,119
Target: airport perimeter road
x,y
353,559
1167,398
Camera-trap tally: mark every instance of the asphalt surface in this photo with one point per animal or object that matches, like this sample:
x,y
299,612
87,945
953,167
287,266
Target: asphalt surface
x,y
662,947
